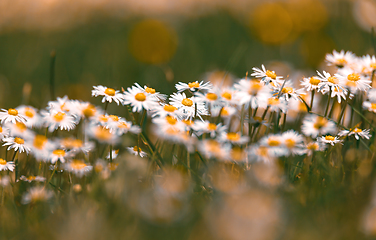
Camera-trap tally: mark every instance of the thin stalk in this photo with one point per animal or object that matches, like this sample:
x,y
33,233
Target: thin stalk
x,y
312,97
328,103
284,122
249,120
343,109
52,74
242,120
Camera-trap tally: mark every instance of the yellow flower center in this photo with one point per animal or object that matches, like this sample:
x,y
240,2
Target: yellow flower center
x,y
114,118
273,142
329,138
333,80
263,151
373,106
123,125
2,162
314,81
140,97
172,131
290,143
31,178
187,102
102,133
22,127
341,62
19,140
213,146
227,95
353,77
39,141
224,112
313,146
273,101
150,90
211,96
257,118
136,149
271,74
78,164
373,65
112,166
1,129
320,122
287,90
12,112
59,152
187,122
29,112
171,120
169,108
77,143
59,116
110,91
103,118
254,87
193,85
89,111
357,130
233,136
212,127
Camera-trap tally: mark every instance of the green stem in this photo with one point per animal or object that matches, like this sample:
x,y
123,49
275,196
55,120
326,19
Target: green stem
x,y
328,103
312,96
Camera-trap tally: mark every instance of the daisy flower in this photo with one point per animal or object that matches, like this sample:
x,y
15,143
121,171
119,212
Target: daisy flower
x,y
260,153
228,96
276,144
36,194
109,94
31,115
315,125
4,181
60,105
139,99
252,93
151,91
102,134
238,154
210,98
4,132
123,127
352,80
371,95
368,64
311,83
332,140
55,120
226,112
18,144
168,122
4,165
33,178
59,155
19,129
11,115
84,110
340,93
76,145
266,76
357,132
329,82
277,104
187,106
213,149
115,153
193,86
287,91
340,59
232,137
78,167
312,147
136,151
165,110
370,106
40,147
207,127
292,141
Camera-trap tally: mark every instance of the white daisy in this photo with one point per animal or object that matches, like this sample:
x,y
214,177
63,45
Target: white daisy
x,y
292,141
213,149
329,82
137,151
139,99
287,91
266,76
371,95
357,132
31,115
315,125
18,144
102,134
40,147
84,110
211,98
353,80
36,194
151,91
78,167
33,179
124,127
370,106
19,129
169,122
11,115
252,93
60,105
109,94
332,140
276,144
207,127
260,153
368,64
187,106
233,137
59,155
58,120
340,59
165,110
76,145
193,86
4,132
277,104
312,147
311,83
4,165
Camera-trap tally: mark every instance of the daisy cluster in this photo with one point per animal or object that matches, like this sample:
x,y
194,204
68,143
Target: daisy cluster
x,y
260,118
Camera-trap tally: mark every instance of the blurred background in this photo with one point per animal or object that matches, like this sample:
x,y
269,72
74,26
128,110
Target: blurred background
x,y
118,42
